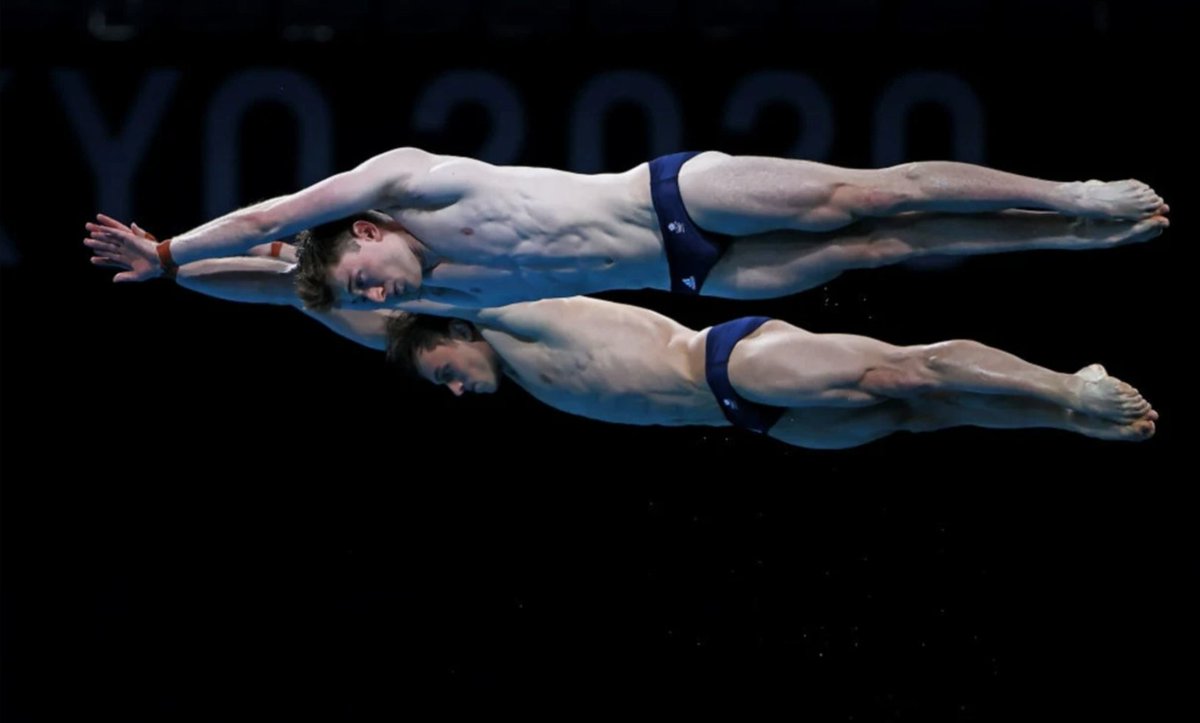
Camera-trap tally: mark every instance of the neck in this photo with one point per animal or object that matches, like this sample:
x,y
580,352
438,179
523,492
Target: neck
x,y
425,255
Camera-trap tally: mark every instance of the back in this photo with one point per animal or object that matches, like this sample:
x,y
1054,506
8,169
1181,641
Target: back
x,y
605,361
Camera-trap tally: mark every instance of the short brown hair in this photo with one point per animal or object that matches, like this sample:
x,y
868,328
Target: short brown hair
x,y
318,250
409,334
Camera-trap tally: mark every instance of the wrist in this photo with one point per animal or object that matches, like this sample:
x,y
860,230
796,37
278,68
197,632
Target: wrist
x,y
165,260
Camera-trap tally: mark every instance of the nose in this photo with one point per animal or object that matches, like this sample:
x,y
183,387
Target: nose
x,y
377,294
456,388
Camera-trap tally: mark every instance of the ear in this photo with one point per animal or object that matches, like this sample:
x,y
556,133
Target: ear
x,y
461,330
364,230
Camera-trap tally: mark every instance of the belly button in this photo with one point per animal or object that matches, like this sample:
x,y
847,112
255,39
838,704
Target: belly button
x,y
467,230
609,262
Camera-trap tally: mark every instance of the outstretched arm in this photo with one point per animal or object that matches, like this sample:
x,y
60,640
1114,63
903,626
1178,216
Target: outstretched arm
x,y
380,182
265,279
368,328
248,279
259,280
276,250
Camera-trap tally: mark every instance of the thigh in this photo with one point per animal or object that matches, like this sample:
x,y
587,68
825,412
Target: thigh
x,y
771,265
828,428
741,195
784,366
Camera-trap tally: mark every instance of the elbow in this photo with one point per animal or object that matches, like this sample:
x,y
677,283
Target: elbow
x,y
259,225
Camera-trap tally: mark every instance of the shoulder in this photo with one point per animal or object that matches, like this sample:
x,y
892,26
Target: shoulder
x,y
530,319
405,160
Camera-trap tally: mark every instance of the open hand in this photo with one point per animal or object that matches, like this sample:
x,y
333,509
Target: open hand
x,y
131,248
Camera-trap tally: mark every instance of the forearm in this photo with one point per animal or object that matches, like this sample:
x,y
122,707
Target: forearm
x,y
263,280
254,280
368,328
431,307
277,250
233,234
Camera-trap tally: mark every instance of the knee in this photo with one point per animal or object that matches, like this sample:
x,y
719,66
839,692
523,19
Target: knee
x,y
909,372
820,206
879,201
871,243
946,355
879,250
889,191
880,193
924,416
936,363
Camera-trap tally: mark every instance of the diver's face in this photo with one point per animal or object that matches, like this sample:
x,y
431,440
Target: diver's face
x,y
378,268
461,366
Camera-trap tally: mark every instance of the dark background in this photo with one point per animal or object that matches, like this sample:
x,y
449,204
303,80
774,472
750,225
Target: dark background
x,y
216,511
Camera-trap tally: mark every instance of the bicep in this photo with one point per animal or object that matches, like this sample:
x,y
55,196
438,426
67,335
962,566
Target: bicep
x,y
379,182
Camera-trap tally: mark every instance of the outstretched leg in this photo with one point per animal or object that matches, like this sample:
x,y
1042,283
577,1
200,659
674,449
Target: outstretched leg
x,y
831,428
784,366
788,262
941,411
744,195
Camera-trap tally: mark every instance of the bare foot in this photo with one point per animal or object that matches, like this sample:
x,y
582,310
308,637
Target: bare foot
x,y
1092,232
1092,372
1110,398
1114,199
1139,430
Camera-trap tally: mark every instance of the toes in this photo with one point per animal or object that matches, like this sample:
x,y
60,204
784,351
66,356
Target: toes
x,y
1147,229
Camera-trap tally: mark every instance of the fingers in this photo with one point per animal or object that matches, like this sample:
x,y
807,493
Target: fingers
x,y
143,232
111,222
117,235
109,263
102,232
108,242
102,246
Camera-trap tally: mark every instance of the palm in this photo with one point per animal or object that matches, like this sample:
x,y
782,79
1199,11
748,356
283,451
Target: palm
x,y
117,245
